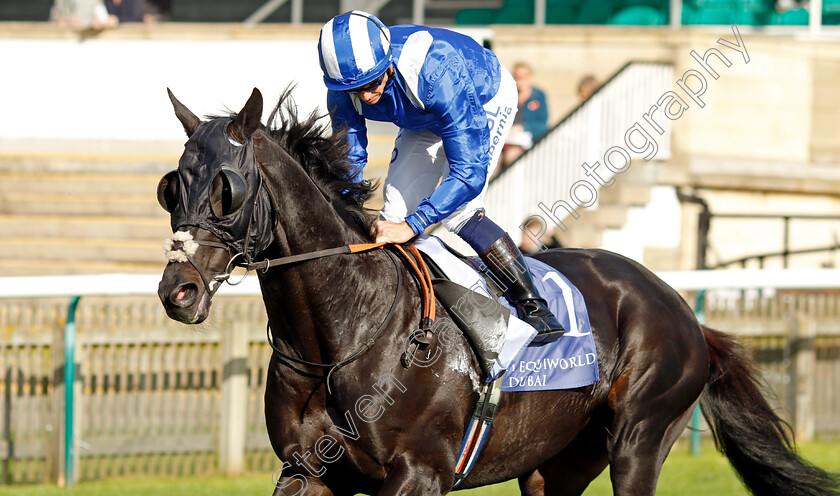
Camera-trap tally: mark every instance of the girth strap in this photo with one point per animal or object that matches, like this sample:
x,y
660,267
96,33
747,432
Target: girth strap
x,y
478,429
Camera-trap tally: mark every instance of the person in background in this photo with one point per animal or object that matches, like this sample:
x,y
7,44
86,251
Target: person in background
x,y
532,118
454,104
533,108
533,243
158,10
587,87
127,10
82,14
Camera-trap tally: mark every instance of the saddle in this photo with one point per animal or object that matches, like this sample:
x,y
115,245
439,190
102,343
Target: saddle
x,y
481,319
508,359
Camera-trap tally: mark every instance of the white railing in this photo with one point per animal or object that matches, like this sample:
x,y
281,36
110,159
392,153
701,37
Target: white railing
x,y
102,285
547,172
143,284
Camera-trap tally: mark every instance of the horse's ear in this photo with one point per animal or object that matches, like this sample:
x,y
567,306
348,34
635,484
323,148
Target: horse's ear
x,y
187,118
248,119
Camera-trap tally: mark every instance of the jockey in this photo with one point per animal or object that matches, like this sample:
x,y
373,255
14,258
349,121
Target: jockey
x,y
454,104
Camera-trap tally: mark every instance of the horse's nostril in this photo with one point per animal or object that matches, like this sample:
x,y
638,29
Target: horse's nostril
x,y
184,295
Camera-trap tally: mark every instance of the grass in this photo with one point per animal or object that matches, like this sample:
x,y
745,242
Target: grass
x,y
682,475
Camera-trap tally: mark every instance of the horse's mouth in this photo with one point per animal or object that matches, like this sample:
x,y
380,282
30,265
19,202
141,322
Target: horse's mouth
x,y
186,316
199,316
187,303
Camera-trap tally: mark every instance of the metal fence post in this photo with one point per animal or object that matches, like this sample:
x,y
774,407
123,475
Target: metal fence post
x,y
234,398
72,392
63,455
695,417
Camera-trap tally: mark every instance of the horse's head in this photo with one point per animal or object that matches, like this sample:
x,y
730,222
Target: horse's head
x,y
220,214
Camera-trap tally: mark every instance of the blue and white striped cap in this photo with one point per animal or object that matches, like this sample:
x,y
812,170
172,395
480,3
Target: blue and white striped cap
x,y
354,49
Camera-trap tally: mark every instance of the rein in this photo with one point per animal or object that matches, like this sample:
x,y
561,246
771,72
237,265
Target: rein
x,y
364,347
177,251
293,259
420,270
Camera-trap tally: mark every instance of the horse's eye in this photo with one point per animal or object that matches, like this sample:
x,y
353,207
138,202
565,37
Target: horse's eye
x,y
167,191
227,193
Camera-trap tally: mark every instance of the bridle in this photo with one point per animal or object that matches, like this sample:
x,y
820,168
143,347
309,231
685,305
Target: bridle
x,y
178,250
420,270
243,259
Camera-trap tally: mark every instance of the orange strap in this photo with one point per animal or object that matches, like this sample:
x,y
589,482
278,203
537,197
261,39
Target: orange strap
x,y
425,270
427,292
422,272
419,268
357,248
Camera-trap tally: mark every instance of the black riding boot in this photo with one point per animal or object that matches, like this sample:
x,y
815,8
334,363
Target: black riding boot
x,y
508,266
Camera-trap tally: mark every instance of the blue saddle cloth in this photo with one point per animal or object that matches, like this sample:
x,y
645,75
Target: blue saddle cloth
x,y
568,362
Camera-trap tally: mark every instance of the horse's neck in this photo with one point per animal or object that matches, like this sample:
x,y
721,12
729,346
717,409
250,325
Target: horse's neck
x,y
311,304
324,310
307,219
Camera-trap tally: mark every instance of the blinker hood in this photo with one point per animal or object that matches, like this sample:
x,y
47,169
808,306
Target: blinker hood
x,y
210,157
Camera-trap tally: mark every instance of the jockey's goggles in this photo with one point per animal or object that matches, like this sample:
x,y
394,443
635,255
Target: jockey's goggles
x,y
368,87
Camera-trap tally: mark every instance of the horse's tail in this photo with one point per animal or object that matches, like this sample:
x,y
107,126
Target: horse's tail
x,y
757,442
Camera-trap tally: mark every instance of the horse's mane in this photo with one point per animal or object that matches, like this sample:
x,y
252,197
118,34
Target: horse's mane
x,y
323,156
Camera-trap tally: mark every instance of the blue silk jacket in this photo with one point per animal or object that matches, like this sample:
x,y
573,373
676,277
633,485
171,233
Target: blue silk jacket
x,y
442,81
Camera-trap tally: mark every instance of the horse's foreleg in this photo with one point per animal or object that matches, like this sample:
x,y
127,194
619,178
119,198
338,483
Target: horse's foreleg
x,y
532,484
300,485
408,477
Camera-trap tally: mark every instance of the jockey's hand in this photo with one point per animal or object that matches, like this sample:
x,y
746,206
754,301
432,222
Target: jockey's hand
x,y
393,232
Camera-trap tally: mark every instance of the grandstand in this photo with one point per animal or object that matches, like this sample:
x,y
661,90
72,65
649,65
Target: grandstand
x,y
487,12
79,198
647,13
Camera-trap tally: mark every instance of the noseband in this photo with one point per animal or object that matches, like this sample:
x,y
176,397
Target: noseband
x,y
182,246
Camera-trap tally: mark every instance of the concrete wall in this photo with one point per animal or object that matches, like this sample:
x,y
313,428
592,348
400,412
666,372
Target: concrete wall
x,y
825,106
765,139
663,234
113,87
782,106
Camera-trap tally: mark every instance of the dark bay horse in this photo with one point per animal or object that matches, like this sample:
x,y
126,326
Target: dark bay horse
x,y
245,192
